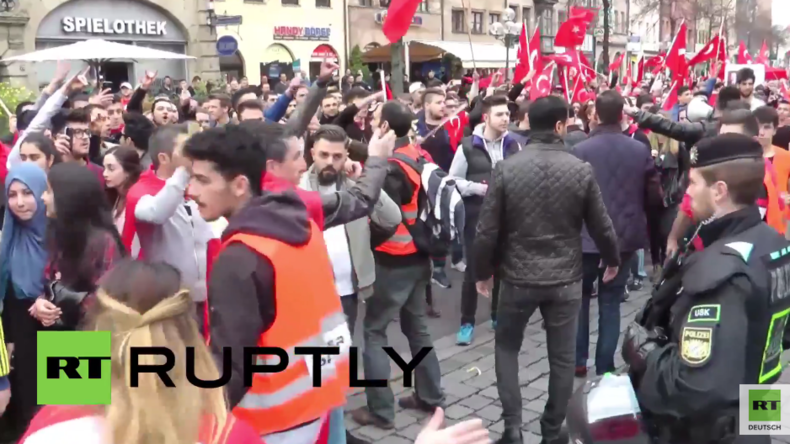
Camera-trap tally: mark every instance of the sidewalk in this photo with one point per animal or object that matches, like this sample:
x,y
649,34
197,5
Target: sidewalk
x,y
472,396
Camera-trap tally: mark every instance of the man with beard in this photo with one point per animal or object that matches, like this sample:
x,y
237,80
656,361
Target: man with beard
x,y
746,81
349,245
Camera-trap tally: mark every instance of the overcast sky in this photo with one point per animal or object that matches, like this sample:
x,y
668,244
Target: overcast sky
x,y
780,10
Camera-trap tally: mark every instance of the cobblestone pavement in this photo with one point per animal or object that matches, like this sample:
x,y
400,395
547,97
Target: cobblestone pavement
x,y
471,396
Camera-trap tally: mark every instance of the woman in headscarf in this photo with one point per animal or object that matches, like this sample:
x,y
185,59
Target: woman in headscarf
x,y
23,258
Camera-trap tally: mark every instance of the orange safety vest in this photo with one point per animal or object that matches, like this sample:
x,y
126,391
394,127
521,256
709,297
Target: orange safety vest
x,y
309,314
778,214
401,243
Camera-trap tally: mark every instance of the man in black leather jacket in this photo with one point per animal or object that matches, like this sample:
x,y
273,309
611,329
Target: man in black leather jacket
x,y
688,132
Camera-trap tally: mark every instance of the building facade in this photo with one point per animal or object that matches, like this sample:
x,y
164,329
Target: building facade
x,y
282,36
172,25
366,16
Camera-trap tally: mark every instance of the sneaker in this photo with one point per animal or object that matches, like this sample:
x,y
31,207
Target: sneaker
x,y
460,266
439,277
635,285
465,335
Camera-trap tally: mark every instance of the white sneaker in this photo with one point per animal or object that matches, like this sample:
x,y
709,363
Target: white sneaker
x,y
460,266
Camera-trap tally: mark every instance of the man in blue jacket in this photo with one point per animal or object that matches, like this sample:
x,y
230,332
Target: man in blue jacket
x,y
629,182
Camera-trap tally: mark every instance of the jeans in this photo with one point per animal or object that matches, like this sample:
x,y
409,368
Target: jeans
x,y
399,291
469,296
560,309
609,297
637,265
350,309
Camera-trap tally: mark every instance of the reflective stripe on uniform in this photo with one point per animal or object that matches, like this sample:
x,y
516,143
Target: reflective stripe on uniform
x,y
303,384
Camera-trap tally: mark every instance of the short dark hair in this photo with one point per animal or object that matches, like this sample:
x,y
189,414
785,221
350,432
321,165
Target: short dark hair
x,y
330,133
742,117
644,99
159,99
727,94
138,128
238,94
249,104
523,110
355,93
745,74
766,115
744,178
163,140
233,150
398,116
272,137
492,101
432,92
80,115
609,107
224,100
682,90
782,102
545,112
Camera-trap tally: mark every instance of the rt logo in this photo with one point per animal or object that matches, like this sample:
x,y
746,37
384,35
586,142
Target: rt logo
x,y
73,367
765,405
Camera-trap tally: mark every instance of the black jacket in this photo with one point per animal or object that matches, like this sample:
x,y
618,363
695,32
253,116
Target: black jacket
x,y
687,132
531,221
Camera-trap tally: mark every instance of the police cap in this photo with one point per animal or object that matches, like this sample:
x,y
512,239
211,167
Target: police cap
x,y
725,148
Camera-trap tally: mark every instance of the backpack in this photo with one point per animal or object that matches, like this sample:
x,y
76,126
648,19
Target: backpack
x,y
440,209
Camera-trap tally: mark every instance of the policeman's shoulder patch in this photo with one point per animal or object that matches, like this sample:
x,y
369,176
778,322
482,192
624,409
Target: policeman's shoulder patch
x,y
705,313
696,345
744,249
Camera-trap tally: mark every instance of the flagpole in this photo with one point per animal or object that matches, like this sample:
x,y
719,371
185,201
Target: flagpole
x,y
469,34
721,27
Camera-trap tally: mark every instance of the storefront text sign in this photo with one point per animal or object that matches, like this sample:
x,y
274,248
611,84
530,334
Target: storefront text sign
x,y
415,21
301,33
106,26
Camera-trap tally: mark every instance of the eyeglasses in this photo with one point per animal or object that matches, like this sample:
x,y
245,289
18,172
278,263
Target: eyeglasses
x,y
80,132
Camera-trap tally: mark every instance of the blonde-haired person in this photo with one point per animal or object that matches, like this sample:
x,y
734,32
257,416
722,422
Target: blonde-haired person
x,y
143,304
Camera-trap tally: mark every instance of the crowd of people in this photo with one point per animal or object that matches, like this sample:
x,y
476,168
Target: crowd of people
x,y
184,224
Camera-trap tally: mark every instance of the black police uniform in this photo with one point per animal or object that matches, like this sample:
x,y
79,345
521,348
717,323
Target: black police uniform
x,y
724,327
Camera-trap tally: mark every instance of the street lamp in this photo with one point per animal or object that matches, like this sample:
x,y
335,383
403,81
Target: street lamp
x,y
507,32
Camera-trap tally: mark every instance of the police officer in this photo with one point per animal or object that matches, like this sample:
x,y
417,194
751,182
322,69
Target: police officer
x,y
724,324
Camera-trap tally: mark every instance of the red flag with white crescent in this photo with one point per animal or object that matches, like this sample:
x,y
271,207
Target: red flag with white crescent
x,y
541,86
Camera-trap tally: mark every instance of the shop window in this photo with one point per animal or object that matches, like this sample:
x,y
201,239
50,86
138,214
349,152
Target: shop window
x,y
290,2
323,3
493,17
459,22
477,22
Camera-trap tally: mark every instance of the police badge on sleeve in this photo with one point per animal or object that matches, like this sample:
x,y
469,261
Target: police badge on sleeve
x,y
695,345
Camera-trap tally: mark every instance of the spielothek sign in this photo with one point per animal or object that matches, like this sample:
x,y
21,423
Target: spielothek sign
x,y
74,366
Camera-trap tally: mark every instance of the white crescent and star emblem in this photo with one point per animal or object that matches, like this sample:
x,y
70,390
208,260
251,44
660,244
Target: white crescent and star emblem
x,y
575,30
533,56
542,77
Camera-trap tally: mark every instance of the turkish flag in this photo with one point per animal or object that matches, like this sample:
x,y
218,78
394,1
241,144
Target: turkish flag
x,y
762,57
583,14
541,86
743,55
640,69
398,19
576,95
723,58
455,129
571,33
707,53
615,66
672,97
676,56
574,61
529,55
656,61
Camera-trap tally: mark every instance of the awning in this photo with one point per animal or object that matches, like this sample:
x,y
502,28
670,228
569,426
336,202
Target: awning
x,y
485,55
